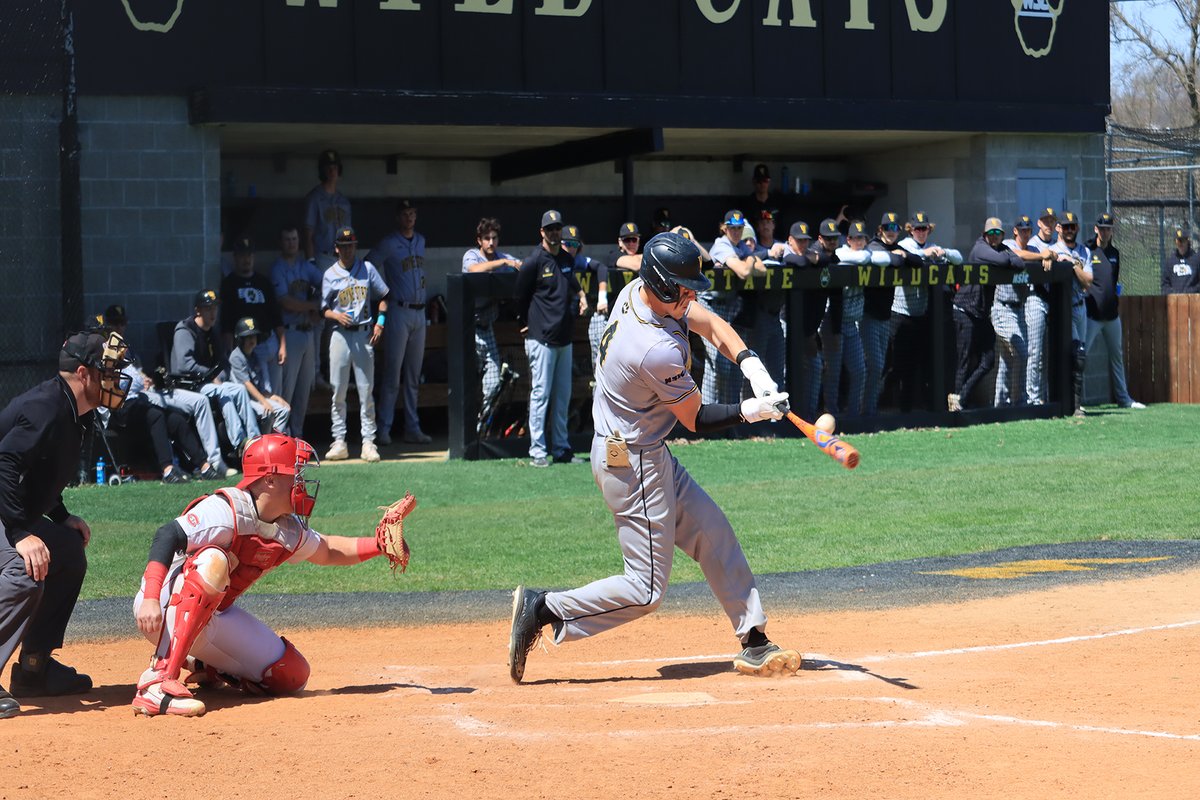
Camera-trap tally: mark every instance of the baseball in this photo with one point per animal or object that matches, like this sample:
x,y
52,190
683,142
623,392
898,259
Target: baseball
x,y
826,423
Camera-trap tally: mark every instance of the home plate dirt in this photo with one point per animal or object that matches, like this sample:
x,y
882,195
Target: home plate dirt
x,y
1084,690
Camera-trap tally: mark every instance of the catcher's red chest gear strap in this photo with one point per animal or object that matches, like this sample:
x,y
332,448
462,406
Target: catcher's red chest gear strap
x,y
254,555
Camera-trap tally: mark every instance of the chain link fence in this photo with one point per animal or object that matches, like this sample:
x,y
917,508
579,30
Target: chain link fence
x,y
1151,183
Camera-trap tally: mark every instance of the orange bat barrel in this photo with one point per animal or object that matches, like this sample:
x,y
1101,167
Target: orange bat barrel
x,y
832,446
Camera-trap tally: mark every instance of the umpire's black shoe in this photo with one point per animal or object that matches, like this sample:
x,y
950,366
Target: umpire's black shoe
x,y
9,707
52,680
525,631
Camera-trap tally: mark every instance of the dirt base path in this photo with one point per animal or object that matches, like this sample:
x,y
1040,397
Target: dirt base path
x,y
1085,690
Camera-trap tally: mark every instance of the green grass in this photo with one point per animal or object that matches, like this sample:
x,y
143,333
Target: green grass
x,y
488,525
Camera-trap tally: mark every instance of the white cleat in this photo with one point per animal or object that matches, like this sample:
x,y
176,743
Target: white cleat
x,y
158,695
369,453
338,451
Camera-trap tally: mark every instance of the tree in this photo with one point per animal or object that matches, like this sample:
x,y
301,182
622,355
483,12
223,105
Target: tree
x,y
1162,86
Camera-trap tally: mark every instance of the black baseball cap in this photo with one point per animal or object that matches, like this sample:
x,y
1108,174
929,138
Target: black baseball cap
x,y
87,349
571,232
735,218
115,315
889,219
243,244
405,205
1105,220
245,327
628,229
1068,218
1183,232
857,228
346,235
828,228
1047,213
551,218
761,173
919,218
799,230
662,217
328,157
205,298
1022,221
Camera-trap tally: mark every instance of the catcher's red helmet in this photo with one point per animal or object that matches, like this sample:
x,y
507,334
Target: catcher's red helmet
x,y
277,454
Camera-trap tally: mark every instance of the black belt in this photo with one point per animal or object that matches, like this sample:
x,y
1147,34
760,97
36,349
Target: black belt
x,y
1011,303
413,306
361,327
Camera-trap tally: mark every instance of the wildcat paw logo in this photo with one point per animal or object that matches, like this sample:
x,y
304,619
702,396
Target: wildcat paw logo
x,y
153,16
1036,22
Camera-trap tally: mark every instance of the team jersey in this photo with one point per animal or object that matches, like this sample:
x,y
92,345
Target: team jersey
x,y
403,263
642,369
353,291
324,213
1078,295
298,278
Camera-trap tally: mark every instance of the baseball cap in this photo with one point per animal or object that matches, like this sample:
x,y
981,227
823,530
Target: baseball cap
x,y
799,230
405,205
205,298
571,232
245,327
993,224
857,228
242,244
551,218
761,173
1047,213
919,218
328,157
1022,221
95,349
628,229
734,217
768,213
345,235
828,228
1067,218
1183,232
889,219
662,217
115,315
1105,220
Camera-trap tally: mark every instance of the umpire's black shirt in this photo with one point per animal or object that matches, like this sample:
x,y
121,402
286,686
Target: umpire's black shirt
x,y
547,292
40,435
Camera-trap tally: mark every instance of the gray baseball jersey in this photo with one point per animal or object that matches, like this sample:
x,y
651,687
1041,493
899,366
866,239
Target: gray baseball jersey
x,y
642,368
324,213
353,291
403,263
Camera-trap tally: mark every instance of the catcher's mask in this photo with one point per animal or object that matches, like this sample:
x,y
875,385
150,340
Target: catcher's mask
x,y
277,454
104,351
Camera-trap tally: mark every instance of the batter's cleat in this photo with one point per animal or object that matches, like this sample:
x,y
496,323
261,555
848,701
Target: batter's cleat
x,y
525,631
338,451
43,676
9,707
767,660
369,453
158,695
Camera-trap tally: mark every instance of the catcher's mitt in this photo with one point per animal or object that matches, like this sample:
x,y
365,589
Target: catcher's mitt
x,y
389,533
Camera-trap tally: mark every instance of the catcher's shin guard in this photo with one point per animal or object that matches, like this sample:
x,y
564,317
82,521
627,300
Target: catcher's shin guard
x,y
194,604
288,675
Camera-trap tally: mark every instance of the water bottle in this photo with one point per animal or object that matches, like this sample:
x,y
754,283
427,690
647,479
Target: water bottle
x,y
783,179
100,471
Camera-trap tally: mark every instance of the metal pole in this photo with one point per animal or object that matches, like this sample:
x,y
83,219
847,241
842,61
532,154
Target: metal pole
x,y
71,198
1108,146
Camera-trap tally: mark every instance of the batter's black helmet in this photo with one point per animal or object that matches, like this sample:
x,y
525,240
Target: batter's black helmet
x,y
670,261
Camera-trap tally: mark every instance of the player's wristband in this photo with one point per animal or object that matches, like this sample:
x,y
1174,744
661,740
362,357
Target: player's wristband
x,y
367,548
154,576
602,297
747,353
380,320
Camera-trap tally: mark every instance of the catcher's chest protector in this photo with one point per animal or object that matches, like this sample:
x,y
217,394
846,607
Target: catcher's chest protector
x,y
253,555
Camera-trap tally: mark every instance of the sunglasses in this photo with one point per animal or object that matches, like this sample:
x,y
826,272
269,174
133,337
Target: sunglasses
x,y
891,227
994,232
1070,226
570,243
920,227
628,239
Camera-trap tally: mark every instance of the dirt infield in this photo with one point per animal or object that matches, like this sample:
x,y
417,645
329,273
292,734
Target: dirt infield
x,y
1085,690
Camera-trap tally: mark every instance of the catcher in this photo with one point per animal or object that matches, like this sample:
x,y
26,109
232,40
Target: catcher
x,y
201,561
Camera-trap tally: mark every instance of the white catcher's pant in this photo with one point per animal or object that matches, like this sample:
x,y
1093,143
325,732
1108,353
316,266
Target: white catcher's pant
x,y
234,642
657,507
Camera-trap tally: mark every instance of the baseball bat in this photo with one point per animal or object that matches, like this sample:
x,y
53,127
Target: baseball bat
x,y
831,445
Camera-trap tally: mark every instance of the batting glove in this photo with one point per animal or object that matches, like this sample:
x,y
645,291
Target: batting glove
x,y
760,379
771,406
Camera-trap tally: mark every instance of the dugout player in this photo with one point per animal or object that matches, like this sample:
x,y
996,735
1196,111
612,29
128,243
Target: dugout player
x,y
1103,300
203,560
643,387
1181,268
42,561
1081,266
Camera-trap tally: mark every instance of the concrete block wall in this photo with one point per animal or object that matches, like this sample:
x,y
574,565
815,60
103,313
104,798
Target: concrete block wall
x,y
151,209
30,251
1081,155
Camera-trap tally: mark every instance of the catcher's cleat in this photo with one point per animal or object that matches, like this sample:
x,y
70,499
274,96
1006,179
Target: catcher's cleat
x,y
767,660
525,631
158,694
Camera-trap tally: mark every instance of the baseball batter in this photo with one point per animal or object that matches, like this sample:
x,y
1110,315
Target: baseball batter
x,y
347,291
643,387
203,560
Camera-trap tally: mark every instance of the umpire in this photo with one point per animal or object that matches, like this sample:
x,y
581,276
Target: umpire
x,y
42,560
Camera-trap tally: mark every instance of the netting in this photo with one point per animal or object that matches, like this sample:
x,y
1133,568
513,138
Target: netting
x,y
1152,179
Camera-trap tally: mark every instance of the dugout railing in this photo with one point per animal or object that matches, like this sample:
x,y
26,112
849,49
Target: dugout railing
x,y
464,291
